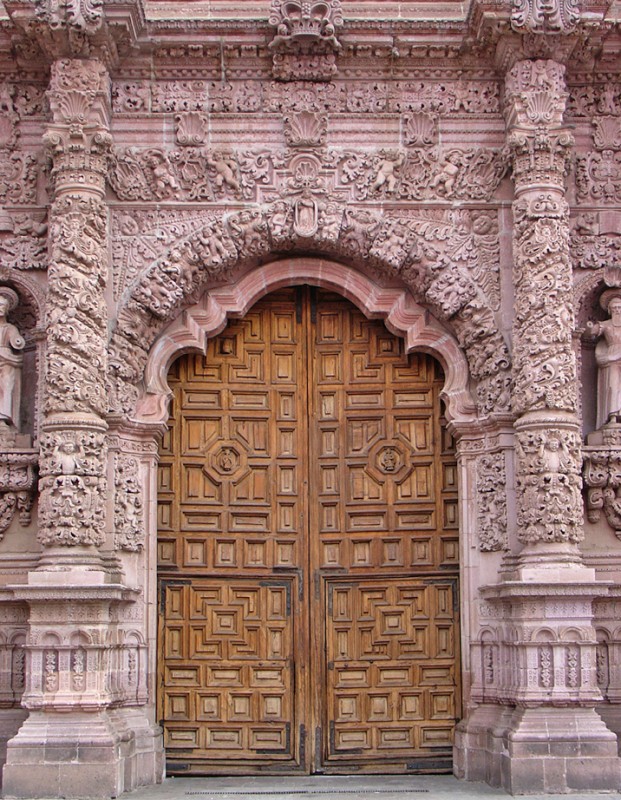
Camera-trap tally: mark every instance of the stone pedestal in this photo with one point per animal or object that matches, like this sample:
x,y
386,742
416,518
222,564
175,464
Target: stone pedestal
x,y
82,755
90,732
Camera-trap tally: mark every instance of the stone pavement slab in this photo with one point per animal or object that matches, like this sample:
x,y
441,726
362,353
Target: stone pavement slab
x,y
386,787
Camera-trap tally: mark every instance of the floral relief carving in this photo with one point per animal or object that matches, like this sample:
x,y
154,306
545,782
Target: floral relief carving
x,y
77,312
492,502
449,259
192,174
602,477
546,657
73,454
196,173
419,174
543,359
428,97
25,246
128,505
598,176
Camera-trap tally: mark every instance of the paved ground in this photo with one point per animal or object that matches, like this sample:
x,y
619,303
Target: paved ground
x,y
384,787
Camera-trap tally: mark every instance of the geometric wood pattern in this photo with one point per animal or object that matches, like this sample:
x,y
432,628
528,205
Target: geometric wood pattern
x,y
307,476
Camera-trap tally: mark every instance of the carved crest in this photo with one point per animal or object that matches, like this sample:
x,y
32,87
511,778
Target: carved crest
x,y
305,44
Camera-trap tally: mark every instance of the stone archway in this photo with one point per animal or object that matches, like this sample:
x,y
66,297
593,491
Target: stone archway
x,y
426,256
402,315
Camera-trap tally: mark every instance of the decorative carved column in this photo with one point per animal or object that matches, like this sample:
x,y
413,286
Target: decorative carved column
x,y
88,733
535,728
73,448
548,430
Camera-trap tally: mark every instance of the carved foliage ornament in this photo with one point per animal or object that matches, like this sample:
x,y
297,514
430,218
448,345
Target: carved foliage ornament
x,y
544,363
492,502
77,314
128,504
84,16
305,44
18,485
545,16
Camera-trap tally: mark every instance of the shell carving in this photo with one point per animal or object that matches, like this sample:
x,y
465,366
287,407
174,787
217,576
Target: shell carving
x,y
305,129
191,129
421,130
607,133
541,107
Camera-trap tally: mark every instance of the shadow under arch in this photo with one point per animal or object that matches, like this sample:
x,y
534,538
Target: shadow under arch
x,y
402,315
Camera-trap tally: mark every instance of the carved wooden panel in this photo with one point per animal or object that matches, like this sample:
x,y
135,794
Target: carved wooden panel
x,y
391,669
307,476
232,514
385,516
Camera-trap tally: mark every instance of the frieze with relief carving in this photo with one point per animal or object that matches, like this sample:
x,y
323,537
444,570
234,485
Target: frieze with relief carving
x,y
460,95
204,175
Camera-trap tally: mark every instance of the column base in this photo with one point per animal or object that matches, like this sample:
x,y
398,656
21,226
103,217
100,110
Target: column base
x,y
538,750
83,755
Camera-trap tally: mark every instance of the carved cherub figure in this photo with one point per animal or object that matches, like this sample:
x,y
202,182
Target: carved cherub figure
x,y
445,179
226,169
386,172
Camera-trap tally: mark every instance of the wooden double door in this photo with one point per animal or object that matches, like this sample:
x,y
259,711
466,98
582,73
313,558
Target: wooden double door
x,y
308,553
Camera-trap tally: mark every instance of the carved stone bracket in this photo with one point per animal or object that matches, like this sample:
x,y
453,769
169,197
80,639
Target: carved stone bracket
x,y
602,475
18,485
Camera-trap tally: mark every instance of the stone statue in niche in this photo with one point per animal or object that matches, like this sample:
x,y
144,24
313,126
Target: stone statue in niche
x,y
608,357
11,344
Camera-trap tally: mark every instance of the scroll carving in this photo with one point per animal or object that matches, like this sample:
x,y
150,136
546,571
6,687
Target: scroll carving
x,y
18,485
450,260
602,477
548,458
73,454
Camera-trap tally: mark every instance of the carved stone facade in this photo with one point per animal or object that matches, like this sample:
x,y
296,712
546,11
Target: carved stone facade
x,y
454,172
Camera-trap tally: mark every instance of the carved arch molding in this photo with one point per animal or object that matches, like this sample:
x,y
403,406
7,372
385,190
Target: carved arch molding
x,y
430,256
